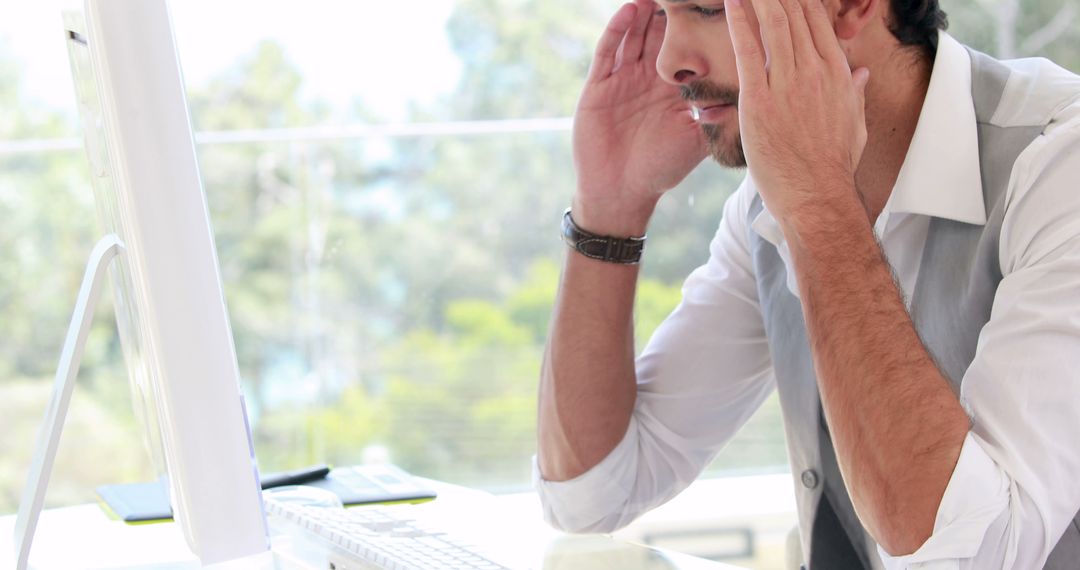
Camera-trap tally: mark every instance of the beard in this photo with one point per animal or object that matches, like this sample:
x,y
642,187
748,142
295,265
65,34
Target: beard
x,y
724,146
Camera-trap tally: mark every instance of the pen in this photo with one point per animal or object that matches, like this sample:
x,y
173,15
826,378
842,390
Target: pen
x,y
297,477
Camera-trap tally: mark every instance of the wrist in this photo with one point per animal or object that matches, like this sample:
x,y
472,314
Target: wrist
x,y
826,231
612,217
611,249
818,209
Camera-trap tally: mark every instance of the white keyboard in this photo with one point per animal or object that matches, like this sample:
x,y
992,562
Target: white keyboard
x,y
385,537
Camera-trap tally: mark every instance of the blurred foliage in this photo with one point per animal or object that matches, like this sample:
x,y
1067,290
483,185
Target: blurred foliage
x,y
389,297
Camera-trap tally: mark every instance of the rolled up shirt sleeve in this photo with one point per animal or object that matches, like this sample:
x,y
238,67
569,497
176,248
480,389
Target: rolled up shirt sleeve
x,y
974,512
702,375
583,504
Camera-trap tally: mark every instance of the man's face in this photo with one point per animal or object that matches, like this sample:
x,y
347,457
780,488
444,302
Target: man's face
x,y
698,56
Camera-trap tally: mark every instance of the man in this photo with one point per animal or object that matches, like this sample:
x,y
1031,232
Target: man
x,y
902,263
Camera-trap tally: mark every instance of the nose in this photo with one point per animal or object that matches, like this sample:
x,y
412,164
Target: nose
x,y
678,62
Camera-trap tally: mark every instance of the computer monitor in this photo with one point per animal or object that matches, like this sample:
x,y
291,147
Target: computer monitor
x,y
170,307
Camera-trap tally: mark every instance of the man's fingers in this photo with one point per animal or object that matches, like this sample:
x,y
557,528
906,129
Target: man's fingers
x,y
776,37
654,39
635,38
801,41
861,77
749,59
607,48
821,29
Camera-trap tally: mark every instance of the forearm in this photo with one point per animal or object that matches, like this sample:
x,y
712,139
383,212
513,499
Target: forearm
x,y
587,386
633,139
895,423
587,382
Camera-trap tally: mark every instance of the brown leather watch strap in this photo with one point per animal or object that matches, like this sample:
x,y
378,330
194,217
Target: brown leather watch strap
x,y
603,248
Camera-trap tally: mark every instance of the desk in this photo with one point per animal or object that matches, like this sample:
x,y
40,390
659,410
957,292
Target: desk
x,y
83,537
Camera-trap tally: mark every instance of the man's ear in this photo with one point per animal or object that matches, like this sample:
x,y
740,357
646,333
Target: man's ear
x,y
854,15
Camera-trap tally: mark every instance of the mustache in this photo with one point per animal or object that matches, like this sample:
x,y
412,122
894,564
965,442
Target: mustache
x,y
708,91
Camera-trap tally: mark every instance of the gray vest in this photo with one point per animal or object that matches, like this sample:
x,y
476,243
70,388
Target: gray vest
x,y
958,277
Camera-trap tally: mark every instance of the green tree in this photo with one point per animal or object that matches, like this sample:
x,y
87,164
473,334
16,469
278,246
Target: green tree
x,y
48,232
1019,28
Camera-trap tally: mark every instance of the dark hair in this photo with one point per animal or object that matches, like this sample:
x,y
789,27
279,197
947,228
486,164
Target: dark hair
x,y
916,22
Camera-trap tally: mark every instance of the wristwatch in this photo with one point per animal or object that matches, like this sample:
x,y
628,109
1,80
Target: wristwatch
x,y
604,248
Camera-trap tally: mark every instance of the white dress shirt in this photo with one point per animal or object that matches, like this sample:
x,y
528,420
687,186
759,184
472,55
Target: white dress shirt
x,y
707,368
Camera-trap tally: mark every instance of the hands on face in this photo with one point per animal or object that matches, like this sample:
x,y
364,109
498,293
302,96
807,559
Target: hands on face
x,y
802,111
801,114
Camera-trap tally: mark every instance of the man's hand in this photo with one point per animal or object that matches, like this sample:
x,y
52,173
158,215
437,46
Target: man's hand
x,y
634,136
801,108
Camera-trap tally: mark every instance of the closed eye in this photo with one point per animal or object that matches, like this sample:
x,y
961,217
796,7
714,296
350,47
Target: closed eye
x,y
699,10
707,12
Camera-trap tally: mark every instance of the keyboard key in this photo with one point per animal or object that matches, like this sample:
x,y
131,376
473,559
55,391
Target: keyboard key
x,y
387,537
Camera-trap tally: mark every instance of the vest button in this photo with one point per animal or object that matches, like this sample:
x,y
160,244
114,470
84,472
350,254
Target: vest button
x,y
809,478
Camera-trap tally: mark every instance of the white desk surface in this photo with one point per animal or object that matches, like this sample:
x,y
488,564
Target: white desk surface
x,y
84,537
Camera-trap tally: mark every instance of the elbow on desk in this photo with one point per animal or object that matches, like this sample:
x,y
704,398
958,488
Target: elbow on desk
x,y
632,479
571,507
570,521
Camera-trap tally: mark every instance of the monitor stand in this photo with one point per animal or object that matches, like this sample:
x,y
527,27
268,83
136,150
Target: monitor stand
x,y
37,481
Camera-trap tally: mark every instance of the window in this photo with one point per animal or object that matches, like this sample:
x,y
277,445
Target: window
x,y
386,182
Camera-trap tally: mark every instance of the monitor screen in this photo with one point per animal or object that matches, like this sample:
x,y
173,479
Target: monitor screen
x,y
105,200
170,308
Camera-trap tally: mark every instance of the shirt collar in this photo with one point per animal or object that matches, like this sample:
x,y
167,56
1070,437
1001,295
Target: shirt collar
x,y
940,176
